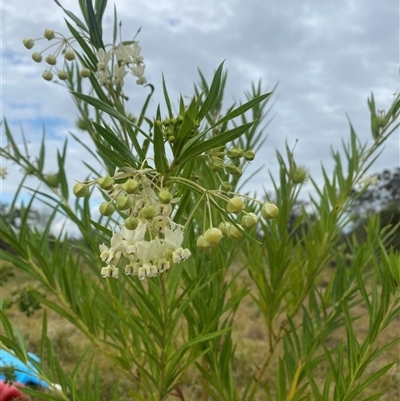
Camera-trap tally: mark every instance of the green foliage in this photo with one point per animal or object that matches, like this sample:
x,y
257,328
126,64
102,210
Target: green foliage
x,y
179,326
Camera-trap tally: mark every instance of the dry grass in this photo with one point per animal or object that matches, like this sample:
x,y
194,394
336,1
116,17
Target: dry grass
x,y
249,333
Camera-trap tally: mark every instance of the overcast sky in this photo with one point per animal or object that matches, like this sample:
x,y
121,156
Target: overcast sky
x,y
327,56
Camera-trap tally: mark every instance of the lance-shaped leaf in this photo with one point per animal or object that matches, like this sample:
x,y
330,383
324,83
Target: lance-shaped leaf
x,y
74,18
212,94
124,152
94,26
160,158
214,143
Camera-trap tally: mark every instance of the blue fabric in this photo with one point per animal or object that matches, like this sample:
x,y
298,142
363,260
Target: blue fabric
x,y
25,374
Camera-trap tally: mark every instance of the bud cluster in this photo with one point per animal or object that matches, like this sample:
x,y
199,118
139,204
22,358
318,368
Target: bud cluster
x,y
127,57
149,242
236,206
171,126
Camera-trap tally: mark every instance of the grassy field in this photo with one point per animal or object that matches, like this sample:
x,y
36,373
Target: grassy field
x,y
249,333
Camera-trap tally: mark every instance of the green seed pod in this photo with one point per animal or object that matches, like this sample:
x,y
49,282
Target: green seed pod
x,y
131,223
235,153
80,190
299,175
131,186
63,75
235,205
123,202
28,43
51,59
37,57
106,182
107,208
269,211
85,73
165,196
69,55
148,212
49,34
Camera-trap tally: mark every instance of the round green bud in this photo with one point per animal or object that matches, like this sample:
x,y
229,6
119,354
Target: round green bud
x,y
47,75
84,73
299,175
233,232
80,190
69,55
63,75
37,57
202,243
269,211
165,196
148,212
238,172
249,155
131,186
51,59
213,236
235,153
49,34
215,166
171,139
249,220
235,205
107,208
224,227
230,168
28,43
123,202
225,186
131,223
52,180
106,182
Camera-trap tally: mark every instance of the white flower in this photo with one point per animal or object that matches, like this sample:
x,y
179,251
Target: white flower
x,y
112,255
368,181
138,71
3,172
132,237
180,255
174,238
104,59
119,74
123,54
135,53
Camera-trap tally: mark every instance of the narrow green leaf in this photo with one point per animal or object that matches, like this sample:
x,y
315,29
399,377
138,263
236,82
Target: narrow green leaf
x,y
160,158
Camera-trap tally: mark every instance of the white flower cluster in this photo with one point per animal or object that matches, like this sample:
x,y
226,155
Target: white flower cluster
x,y
127,57
149,240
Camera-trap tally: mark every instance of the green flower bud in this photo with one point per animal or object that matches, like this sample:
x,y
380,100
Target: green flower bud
x,y
215,166
85,73
47,75
238,172
123,202
299,175
63,75
51,59
37,57
235,153
131,186
225,186
49,34
171,139
202,243
131,223
213,236
107,208
28,43
230,168
148,212
80,190
224,227
249,155
165,196
269,211
69,55
52,180
249,220
235,205
233,232
106,182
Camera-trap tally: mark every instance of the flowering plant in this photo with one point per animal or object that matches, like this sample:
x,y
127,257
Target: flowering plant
x,y
172,212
